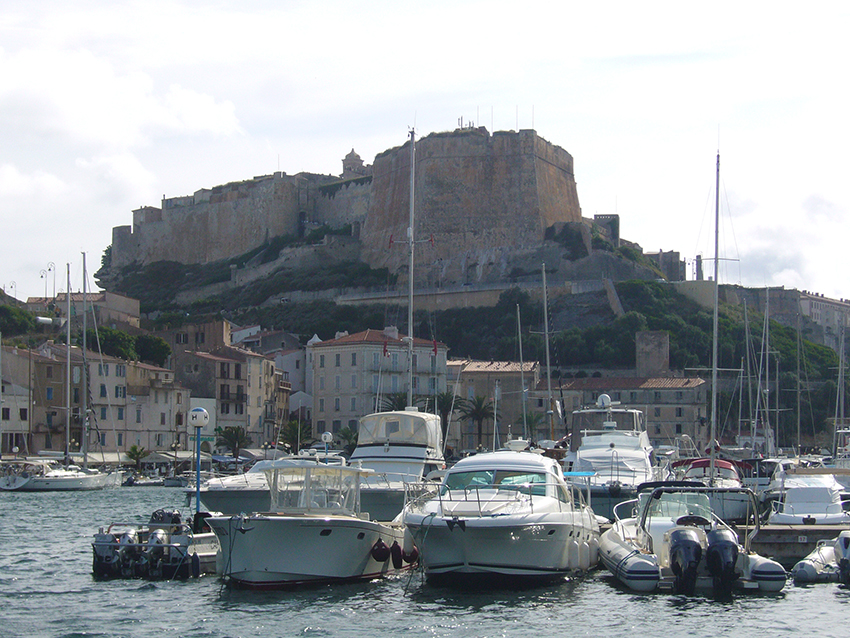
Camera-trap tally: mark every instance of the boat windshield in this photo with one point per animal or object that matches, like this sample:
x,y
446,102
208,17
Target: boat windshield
x,y
413,428
673,505
499,478
313,487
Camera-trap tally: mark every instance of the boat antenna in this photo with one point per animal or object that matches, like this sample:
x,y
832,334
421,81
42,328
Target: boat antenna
x,y
551,411
524,392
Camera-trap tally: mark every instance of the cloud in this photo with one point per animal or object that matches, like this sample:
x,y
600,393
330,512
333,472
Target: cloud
x,y
13,183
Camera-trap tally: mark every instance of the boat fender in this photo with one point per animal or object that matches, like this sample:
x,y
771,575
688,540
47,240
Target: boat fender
x,y
412,556
196,565
380,551
396,553
408,545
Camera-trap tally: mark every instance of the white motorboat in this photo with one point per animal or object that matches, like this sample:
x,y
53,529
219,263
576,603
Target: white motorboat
x,y
501,514
402,447
313,533
829,562
800,495
674,542
731,506
166,548
249,492
37,475
612,443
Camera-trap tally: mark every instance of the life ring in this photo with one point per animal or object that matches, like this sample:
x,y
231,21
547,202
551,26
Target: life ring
x,y
380,551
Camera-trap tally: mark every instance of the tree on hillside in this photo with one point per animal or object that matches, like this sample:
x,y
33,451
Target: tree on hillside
x,y
234,438
15,321
478,410
114,343
152,349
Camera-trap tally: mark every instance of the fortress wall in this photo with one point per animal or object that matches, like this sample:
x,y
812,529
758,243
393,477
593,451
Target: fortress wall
x,y
481,197
343,203
234,219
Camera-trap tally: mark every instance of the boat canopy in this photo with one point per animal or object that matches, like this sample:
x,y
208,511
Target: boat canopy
x,y
309,487
405,427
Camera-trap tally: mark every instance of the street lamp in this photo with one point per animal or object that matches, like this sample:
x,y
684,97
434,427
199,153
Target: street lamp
x,y
43,274
51,267
266,448
15,286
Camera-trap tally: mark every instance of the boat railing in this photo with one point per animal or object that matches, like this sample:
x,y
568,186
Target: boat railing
x,y
476,500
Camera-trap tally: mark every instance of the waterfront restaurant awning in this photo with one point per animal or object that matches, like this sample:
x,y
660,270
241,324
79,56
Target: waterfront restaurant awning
x,y
180,456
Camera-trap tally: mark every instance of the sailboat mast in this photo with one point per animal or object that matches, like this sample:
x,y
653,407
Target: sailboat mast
x,y
84,416
68,368
521,375
548,365
410,269
715,321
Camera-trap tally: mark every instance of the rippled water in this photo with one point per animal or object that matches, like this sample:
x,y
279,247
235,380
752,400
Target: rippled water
x,y
46,589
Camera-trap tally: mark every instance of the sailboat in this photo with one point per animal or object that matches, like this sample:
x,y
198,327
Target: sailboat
x,y
36,475
401,446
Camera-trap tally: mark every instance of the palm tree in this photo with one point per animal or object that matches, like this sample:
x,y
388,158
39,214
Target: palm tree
x,y
348,437
477,410
295,432
234,438
394,401
136,454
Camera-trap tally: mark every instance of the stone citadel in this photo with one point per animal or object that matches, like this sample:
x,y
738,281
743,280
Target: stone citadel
x,y
484,201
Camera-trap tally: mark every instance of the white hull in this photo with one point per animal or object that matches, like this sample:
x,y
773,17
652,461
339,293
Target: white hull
x,y
529,546
71,482
273,551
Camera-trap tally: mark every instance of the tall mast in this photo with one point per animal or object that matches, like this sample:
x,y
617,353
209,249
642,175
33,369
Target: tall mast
x,y
68,368
548,366
521,375
715,322
84,416
410,270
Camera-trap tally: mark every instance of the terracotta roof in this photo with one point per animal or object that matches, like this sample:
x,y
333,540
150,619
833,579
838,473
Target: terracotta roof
x,y
494,366
608,384
378,337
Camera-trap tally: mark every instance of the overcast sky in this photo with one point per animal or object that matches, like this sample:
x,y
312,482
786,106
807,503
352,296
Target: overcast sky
x,y
108,106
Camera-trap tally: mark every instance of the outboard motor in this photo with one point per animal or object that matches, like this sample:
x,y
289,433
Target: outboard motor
x,y
166,517
721,558
842,556
128,552
685,555
154,552
106,561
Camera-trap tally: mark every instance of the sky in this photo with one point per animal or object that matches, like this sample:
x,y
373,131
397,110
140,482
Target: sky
x,y
106,106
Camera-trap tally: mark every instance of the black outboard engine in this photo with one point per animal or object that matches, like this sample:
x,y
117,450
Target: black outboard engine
x,y
721,558
128,552
166,517
842,553
685,555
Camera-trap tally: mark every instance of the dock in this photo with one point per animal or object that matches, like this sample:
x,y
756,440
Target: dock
x,y
788,544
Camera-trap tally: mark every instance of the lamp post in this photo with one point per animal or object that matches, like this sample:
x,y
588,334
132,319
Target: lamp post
x,y
43,274
266,447
174,447
198,418
15,286
51,267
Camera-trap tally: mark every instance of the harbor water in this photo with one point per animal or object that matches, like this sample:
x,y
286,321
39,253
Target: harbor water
x,y
47,589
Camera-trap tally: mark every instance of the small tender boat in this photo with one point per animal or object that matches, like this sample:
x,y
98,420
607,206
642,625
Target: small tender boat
x,y
164,548
731,506
313,533
829,562
501,514
674,542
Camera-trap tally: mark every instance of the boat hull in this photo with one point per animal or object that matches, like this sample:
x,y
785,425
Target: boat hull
x,y
69,483
527,546
277,551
